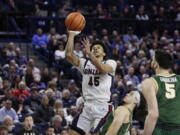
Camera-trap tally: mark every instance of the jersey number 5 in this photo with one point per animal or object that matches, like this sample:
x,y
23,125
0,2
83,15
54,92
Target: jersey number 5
x,y
170,91
95,82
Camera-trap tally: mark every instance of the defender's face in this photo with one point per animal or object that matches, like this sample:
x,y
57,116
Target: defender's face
x,y
130,98
98,51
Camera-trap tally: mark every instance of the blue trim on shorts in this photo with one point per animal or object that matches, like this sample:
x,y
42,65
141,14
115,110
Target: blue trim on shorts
x,y
74,127
102,121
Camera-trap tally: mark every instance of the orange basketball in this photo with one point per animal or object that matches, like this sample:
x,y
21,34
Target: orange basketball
x,y
75,21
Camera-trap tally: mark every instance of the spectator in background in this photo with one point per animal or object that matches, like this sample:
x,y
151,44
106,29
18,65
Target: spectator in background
x,y
8,122
35,70
50,94
28,127
59,57
8,110
39,11
130,86
11,50
58,105
115,99
50,130
127,38
57,124
178,15
142,71
28,77
161,13
141,14
44,112
3,130
53,33
128,58
40,42
72,87
154,12
57,93
1,85
45,76
114,12
32,102
37,82
64,132
22,91
127,13
176,36
67,99
5,86
130,76
16,81
21,60
8,94
63,113
142,57
60,52
11,72
9,6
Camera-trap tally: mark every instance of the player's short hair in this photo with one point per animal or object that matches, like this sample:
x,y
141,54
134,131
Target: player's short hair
x,y
97,42
164,59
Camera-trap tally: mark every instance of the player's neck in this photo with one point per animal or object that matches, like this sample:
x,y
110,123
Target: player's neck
x,y
162,71
130,106
100,58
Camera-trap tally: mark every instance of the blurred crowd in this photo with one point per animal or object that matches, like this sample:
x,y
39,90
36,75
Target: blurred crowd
x,y
129,9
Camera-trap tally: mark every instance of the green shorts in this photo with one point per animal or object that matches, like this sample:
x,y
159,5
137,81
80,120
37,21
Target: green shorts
x,y
161,131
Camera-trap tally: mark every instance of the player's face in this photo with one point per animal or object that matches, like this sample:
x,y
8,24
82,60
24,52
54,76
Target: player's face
x,y
130,98
98,51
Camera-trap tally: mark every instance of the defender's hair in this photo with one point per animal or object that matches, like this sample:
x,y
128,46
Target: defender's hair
x,y
164,59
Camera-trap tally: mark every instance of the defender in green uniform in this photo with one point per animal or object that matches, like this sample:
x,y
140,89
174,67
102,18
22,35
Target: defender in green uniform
x,y
162,93
119,121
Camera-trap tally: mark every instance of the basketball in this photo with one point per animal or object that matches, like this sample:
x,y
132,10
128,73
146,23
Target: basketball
x,y
75,21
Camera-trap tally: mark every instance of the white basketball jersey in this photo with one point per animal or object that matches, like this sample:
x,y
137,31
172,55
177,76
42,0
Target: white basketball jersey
x,y
96,86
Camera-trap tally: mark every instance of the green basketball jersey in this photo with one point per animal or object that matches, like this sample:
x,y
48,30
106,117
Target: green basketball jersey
x,y
124,128
168,98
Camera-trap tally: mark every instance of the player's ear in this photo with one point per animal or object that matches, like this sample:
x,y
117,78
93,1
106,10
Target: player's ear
x,y
156,65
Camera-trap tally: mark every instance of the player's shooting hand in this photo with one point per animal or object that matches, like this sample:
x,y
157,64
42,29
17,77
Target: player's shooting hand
x,y
86,43
73,33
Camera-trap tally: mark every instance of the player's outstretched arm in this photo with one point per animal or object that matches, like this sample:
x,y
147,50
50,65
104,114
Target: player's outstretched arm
x,y
119,117
103,68
149,91
70,57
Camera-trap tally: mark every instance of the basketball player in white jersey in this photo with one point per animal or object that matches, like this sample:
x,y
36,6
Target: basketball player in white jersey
x,y
97,80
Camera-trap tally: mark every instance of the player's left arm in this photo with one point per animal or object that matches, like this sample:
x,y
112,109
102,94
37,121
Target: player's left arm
x,y
119,117
149,91
103,68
